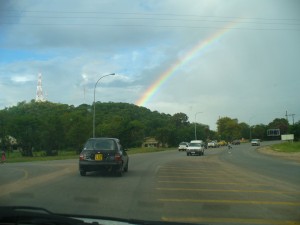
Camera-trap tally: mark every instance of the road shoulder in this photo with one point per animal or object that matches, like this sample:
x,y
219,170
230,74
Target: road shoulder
x,y
266,150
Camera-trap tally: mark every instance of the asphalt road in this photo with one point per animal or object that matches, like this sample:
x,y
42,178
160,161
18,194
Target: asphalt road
x,y
237,186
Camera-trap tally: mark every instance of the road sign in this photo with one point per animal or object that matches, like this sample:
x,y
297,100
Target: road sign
x,y
273,132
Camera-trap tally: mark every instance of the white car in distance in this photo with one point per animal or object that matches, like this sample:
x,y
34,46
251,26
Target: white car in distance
x,y
196,147
183,146
255,142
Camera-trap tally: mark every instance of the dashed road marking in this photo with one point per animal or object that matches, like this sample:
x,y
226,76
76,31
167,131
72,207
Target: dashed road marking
x,y
215,183
191,177
229,220
227,190
220,201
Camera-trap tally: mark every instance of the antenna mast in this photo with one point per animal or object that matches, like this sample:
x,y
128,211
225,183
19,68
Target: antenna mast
x,y
39,91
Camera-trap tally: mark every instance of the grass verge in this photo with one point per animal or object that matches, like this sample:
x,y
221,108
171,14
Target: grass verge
x,y
14,157
287,147
133,151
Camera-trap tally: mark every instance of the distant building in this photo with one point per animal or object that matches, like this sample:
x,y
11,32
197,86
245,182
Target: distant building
x,y
151,142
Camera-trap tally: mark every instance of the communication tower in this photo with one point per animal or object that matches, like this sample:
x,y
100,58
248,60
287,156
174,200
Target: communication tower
x,y
39,91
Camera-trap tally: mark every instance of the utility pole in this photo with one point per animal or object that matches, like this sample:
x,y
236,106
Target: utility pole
x,y
287,116
292,115
195,125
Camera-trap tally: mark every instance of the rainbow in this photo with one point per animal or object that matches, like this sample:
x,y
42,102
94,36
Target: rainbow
x,y
200,46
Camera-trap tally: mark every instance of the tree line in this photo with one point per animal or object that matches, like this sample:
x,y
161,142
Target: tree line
x,y
52,127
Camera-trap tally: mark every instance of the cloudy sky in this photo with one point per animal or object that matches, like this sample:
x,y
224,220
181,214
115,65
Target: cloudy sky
x,y
223,58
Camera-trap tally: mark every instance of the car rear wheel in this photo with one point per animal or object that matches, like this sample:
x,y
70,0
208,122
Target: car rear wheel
x,y
126,168
82,173
119,171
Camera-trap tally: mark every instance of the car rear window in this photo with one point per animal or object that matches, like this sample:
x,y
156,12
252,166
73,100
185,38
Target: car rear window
x,y
101,144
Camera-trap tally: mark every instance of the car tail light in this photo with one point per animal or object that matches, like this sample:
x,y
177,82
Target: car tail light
x,y
118,157
81,157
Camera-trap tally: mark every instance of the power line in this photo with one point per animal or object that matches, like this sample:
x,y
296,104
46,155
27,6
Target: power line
x,y
149,18
265,24
153,26
146,14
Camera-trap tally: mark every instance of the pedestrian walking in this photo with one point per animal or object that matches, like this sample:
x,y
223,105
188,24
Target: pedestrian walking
x,y
3,157
229,145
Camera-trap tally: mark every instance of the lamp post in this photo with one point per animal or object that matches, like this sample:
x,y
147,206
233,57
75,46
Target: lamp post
x,y
94,100
195,125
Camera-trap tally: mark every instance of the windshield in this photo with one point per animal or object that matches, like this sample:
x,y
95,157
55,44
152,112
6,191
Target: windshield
x,y
194,145
101,99
99,144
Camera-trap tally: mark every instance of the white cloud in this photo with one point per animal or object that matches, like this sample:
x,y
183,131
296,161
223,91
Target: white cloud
x,y
23,78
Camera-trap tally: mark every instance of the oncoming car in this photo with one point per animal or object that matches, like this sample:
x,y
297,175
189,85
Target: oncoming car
x,y
212,144
196,147
183,146
255,142
103,154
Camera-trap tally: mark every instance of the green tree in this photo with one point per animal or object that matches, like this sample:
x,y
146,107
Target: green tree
x,y
53,126
244,130
281,124
163,135
179,119
259,131
228,129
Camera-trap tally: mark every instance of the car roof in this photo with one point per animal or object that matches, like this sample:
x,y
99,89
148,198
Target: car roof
x,y
104,138
196,141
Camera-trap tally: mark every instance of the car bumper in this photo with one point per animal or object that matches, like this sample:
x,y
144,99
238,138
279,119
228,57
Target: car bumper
x,y
194,152
99,166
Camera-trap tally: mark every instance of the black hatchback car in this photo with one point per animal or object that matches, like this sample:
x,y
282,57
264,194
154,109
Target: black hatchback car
x,y
103,154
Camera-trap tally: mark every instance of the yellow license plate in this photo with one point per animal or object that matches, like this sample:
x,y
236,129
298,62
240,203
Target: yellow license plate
x,y
98,157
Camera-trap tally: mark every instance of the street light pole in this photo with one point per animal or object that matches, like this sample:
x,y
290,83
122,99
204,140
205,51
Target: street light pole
x,y
195,125
94,100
